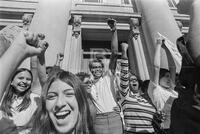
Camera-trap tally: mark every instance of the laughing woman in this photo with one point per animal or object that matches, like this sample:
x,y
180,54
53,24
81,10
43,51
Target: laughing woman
x,y
64,106
18,103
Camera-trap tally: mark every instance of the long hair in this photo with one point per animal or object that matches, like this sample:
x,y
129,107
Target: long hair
x,y
42,123
7,100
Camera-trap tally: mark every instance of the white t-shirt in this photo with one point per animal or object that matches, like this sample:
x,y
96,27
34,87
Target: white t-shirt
x,y
162,99
102,94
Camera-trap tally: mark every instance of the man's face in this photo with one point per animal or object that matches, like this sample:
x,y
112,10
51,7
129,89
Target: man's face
x,y
96,70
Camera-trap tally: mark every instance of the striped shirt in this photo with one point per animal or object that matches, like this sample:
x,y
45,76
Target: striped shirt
x,y
138,112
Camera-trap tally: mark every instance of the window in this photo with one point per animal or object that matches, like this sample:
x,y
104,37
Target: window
x,y
126,2
94,1
171,3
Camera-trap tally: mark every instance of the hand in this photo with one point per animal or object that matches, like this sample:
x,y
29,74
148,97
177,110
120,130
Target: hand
x,y
163,116
60,56
30,43
112,24
117,109
124,47
159,41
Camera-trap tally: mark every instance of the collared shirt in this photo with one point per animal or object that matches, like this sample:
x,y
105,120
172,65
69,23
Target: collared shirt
x,y
162,99
102,92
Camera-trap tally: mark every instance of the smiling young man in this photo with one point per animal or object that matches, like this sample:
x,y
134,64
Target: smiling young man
x,y
103,90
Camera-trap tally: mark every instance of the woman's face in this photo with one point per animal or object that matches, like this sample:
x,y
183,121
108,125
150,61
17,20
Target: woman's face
x,y
62,106
133,83
22,81
88,82
165,81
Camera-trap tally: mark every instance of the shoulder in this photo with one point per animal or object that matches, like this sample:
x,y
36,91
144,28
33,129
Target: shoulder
x,y
34,95
107,73
35,98
152,86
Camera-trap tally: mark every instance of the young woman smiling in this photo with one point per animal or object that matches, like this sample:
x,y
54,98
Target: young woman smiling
x,y
64,106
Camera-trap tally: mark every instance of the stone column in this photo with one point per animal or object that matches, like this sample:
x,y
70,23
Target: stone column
x,y
26,19
157,17
136,54
74,56
67,50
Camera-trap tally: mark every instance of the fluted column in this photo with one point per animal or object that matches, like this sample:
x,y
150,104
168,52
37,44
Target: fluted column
x,y
74,56
26,19
67,50
157,17
136,54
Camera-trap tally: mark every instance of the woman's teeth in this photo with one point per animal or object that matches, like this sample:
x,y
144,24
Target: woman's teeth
x,y
62,114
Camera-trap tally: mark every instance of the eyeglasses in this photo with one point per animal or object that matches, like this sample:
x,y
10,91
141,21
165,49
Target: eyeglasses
x,y
133,80
88,82
94,67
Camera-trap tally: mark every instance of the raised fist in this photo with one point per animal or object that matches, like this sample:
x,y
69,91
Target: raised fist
x,y
124,46
112,24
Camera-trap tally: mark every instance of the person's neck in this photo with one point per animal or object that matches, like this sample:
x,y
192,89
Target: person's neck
x,y
71,132
18,94
135,92
96,79
166,88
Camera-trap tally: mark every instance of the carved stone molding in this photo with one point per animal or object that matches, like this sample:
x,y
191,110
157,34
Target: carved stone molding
x,y
134,27
180,25
76,25
26,20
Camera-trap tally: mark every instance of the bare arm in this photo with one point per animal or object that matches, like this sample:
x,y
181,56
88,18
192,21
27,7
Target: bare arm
x,y
171,63
41,69
114,45
124,76
60,57
157,61
38,67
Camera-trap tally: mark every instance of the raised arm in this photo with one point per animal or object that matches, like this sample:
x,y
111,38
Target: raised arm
x,y
124,76
114,45
60,57
157,61
171,63
38,67
15,54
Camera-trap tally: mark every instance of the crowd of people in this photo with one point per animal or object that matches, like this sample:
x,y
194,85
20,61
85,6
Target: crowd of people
x,y
102,102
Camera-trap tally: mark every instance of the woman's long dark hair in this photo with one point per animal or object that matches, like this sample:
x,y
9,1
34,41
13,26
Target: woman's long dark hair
x,y
42,123
7,100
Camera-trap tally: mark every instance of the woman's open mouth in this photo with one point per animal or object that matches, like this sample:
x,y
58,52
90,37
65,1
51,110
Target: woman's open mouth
x,y
62,114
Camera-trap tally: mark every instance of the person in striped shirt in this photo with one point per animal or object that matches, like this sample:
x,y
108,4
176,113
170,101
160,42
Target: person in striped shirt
x,y
138,112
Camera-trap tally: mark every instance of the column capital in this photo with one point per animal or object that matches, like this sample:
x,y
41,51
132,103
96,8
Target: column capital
x,y
180,25
134,27
26,20
76,25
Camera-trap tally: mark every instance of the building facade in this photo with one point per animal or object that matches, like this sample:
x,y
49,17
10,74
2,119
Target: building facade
x,y
88,35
